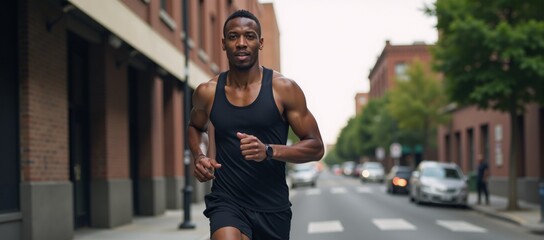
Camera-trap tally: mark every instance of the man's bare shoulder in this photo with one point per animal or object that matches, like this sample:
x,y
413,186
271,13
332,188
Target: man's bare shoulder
x,y
283,83
207,88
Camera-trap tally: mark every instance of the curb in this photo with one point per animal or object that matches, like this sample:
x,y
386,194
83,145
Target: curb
x,y
494,214
535,228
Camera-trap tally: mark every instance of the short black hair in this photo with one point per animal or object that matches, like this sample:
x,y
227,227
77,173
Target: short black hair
x,y
243,14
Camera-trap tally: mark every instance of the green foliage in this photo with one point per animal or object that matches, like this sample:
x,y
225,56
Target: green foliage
x,y
332,158
492,56
348,144
416,103
491,53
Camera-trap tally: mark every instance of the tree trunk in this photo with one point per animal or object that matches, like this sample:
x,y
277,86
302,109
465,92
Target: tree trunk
x,y
512,173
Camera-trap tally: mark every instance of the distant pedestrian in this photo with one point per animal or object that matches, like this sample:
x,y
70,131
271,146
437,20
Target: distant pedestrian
x,y
483,173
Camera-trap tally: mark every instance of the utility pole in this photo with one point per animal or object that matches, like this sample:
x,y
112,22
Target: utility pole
x,y
188,189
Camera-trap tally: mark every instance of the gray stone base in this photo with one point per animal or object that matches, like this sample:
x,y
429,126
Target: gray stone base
x,y
111,202
10,226
152,196
48,210
527,188
174,188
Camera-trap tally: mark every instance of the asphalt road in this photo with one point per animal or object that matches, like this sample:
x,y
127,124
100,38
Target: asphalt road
x,y
345,208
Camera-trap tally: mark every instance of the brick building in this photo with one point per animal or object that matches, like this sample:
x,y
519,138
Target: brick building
x,y
473,132
361,99
392,65
92,107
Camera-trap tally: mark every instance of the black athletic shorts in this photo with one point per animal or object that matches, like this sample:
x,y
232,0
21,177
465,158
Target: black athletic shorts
x,y
255,225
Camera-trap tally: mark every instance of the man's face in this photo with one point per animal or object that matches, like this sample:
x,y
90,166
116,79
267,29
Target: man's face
x,y
242,43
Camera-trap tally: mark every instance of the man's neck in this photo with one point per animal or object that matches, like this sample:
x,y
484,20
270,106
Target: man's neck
x,y
242,78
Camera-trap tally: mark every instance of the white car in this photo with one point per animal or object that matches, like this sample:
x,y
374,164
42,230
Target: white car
x,y
438,182
372,171
304,174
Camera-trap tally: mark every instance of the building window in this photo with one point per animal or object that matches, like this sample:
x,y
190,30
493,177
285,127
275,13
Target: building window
x,y
459,157
400,71
165,14
9,137
470,148
484,142
201,25
448,148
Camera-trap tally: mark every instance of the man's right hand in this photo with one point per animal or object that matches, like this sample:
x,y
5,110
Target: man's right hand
x,y
205,168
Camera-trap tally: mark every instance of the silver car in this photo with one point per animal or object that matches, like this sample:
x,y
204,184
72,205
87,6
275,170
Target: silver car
x,y
304,174
437,182
372,171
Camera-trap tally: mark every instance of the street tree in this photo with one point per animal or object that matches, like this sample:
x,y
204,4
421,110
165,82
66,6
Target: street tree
x,y
416,102
348,145
492,55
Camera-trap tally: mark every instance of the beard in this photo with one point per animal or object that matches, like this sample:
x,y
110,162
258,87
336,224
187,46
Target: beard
x,y
243,67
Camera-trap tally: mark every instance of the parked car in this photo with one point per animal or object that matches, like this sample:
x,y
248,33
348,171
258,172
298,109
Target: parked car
x,y
304,174
438,182
357,170
336,169
347,168
397,179
372,171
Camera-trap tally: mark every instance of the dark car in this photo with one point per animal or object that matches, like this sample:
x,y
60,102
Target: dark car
x,y
397,179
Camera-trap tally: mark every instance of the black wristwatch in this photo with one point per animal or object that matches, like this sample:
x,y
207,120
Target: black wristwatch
x,y
269,152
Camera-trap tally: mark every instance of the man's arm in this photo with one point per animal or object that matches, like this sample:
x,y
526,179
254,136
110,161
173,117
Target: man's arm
x,y
198,124
303,123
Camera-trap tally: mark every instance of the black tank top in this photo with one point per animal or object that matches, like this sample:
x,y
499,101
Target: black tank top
x,y
259,186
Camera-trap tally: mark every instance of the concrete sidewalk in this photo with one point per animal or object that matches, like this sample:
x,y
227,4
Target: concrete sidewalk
x,y
528,216
164,227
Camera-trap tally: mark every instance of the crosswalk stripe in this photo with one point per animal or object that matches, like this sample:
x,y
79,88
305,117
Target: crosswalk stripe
x,y
364,190
325,227
390,224
460,226
339,190
313,191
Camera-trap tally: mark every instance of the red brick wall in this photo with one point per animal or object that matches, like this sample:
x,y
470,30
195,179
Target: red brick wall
x,y
470,117
271,33
533,141
173,129
109,143
117,115
219,10
150,129
44,100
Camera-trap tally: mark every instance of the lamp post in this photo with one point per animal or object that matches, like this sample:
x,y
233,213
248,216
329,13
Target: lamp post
x,y
188,189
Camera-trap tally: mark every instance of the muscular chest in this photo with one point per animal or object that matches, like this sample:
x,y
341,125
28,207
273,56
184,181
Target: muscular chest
x,y
242,97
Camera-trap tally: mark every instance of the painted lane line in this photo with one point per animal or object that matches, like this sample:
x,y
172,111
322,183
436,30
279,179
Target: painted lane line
x,y
339,190
325,227
364,190
390,224
313,191
460,226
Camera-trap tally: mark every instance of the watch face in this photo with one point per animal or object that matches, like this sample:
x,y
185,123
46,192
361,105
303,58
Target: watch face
x,y
269,152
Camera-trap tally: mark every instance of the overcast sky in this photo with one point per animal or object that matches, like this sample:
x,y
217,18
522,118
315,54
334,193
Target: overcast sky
x,y
329,46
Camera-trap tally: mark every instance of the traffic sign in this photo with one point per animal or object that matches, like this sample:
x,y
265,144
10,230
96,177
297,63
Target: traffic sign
x,y
396,150
380,153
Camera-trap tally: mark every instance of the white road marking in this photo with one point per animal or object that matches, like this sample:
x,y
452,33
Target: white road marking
x,y
313,191
325,227
460,226
388,224
339,190
364,190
